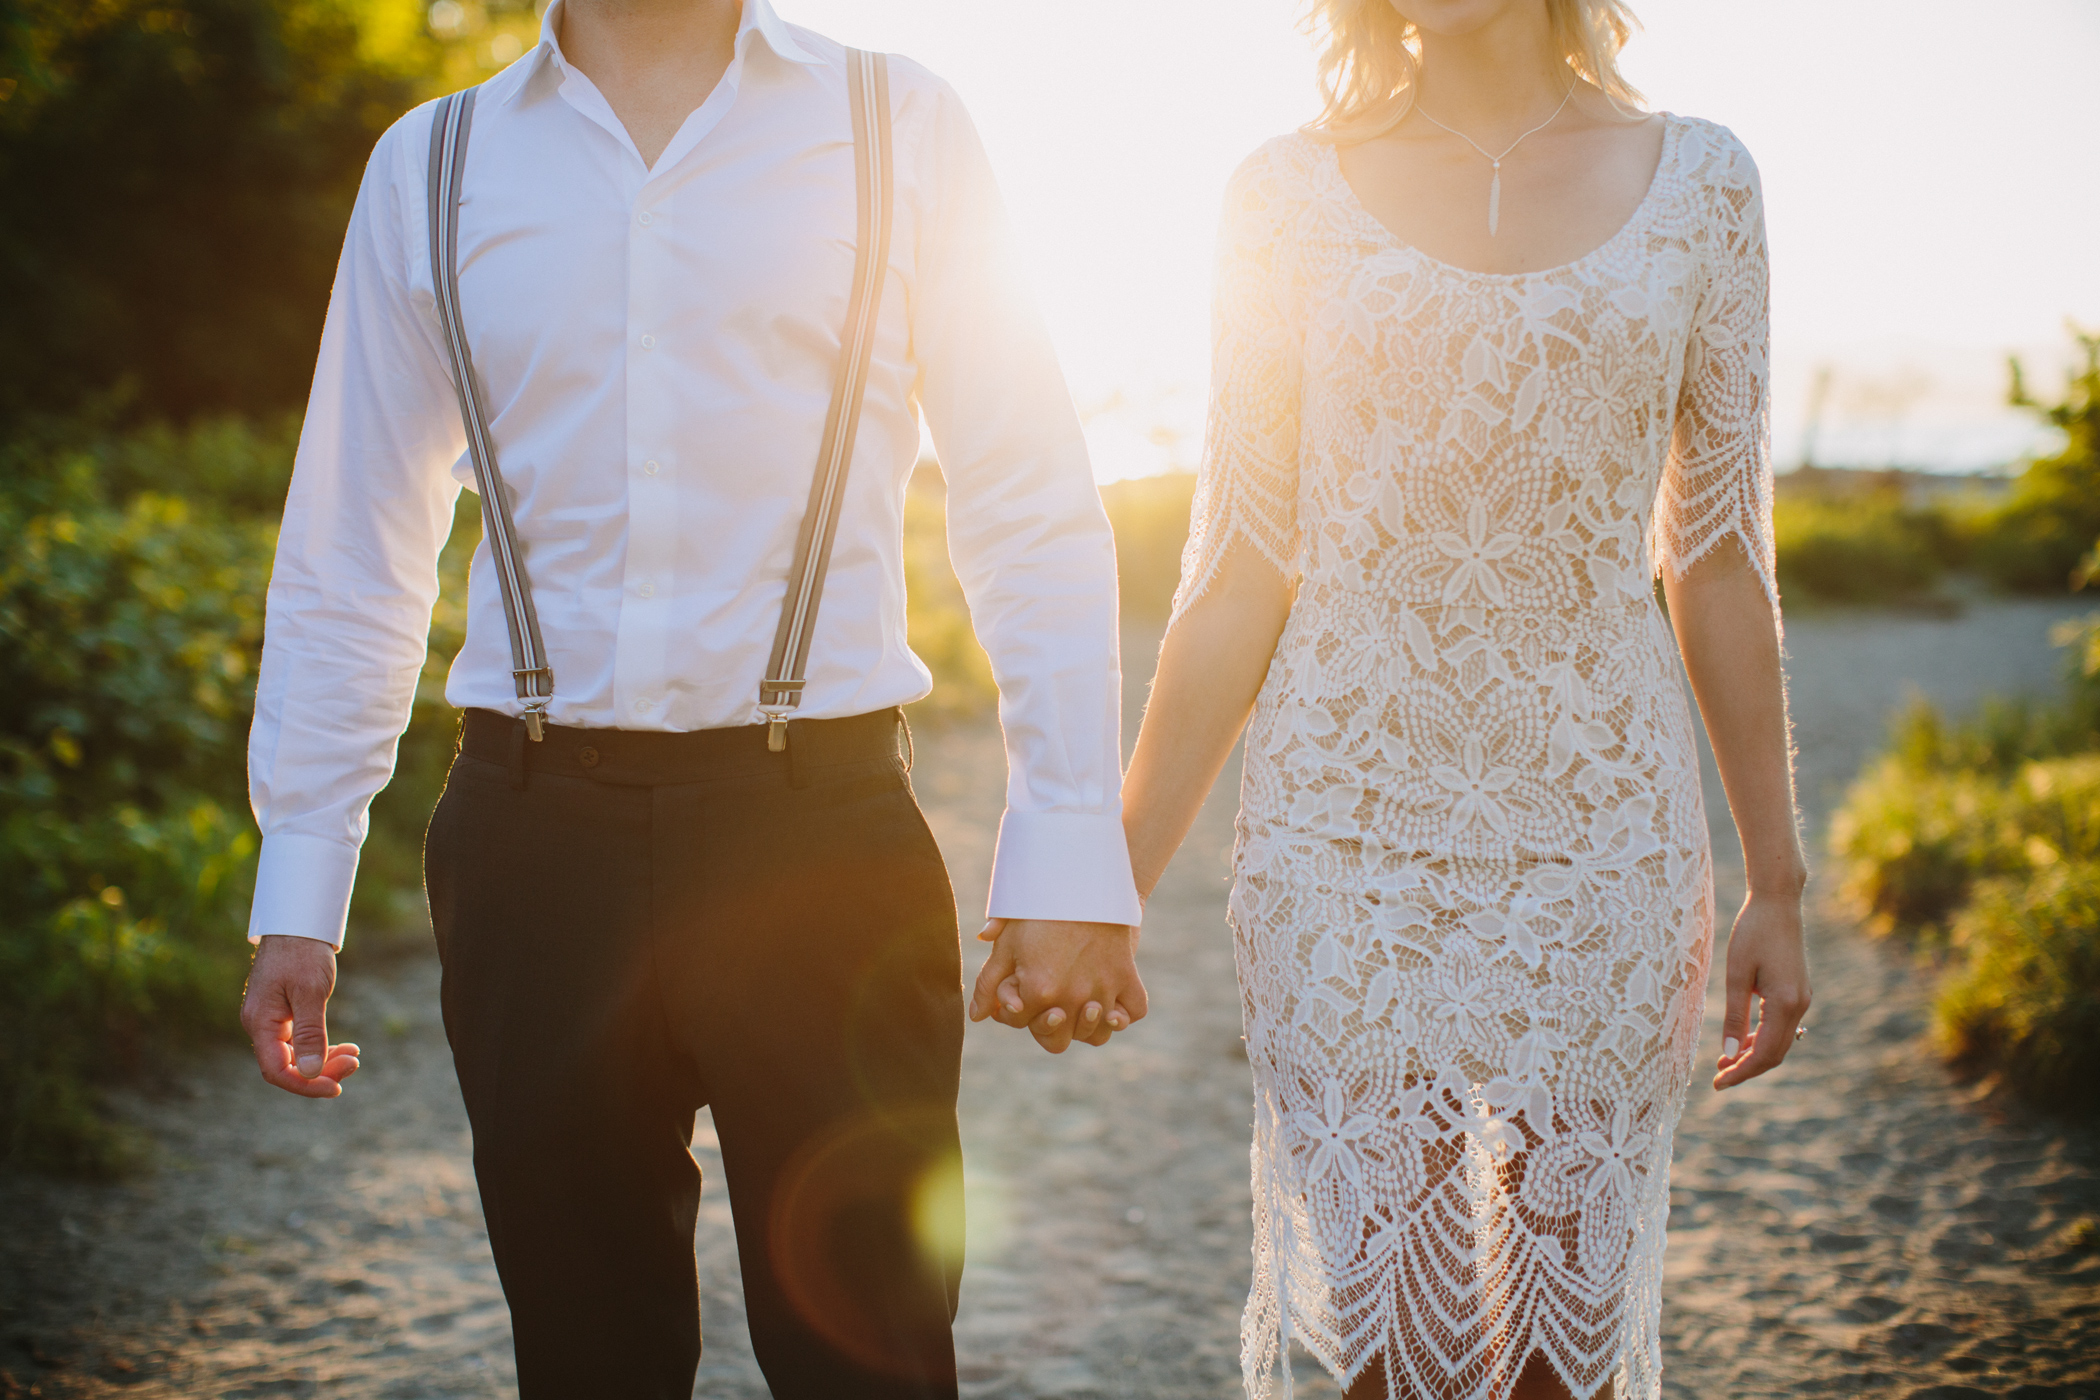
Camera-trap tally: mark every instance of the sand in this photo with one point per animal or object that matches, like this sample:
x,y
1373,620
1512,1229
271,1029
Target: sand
x,y
1861,1224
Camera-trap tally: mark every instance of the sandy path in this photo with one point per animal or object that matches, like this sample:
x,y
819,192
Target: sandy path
x,y
1859,1226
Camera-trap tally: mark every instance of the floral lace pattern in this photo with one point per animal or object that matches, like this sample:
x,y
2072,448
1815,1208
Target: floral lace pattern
x,y
1473,908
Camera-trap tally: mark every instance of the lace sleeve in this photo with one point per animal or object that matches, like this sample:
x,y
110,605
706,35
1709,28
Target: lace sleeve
x,y
1247,486
1718,481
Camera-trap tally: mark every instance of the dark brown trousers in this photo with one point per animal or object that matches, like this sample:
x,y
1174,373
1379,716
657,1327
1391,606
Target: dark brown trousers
x,y
634,925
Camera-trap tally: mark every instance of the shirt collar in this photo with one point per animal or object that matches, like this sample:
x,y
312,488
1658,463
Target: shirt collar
x,y
758,17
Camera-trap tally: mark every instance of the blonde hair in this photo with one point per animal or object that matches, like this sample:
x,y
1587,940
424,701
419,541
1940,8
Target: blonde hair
x,y
1371,56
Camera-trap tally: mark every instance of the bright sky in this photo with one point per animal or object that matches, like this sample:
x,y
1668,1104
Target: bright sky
x,y
1931,172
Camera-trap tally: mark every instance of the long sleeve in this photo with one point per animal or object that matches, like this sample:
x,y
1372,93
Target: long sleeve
x,y
1030,543
356,569
1718,480
1247,484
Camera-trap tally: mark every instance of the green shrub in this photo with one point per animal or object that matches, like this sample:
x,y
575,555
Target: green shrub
x,y
2037,540
1983,839
2027,1000
1150,515
1866,550
233,135
1912,845
129,633
937,615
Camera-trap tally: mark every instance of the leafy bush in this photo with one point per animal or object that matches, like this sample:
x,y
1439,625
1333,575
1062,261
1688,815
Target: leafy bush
x,y
1870,550
1914,844
2027,1002
937,615
1150,515
129,632
2037,541
1983,839
231,135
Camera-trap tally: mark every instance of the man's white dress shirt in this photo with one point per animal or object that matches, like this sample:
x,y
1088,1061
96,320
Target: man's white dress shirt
x,y
657,347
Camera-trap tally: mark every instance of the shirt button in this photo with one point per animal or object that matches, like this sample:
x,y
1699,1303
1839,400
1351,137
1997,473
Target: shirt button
x,y
644,221
648,342
641,707
647,590
651,468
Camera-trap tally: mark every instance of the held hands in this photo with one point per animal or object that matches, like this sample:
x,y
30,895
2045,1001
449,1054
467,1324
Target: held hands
x,y
1766,961
1064,981
286,1016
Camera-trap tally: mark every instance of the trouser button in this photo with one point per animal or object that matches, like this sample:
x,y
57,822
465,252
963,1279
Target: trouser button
x,y
587,756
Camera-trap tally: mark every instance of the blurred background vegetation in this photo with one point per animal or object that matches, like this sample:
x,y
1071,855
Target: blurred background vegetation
x,y
179,174
1979,840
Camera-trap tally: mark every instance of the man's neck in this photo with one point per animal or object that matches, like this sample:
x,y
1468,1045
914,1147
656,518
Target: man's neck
x,y
655,60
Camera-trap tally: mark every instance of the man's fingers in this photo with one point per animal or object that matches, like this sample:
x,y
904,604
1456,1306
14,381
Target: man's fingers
x,y
273,1052
984,995
991,930
1132,1000
309,1029
343,1061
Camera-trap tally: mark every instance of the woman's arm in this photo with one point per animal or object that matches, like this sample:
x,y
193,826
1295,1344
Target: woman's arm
x,y
1211,667
1729,635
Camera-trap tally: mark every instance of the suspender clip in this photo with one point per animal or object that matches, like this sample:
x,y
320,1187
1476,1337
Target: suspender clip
x,y
535,718
776,733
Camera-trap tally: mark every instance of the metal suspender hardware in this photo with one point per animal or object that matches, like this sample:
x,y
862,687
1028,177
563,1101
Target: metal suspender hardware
x,y
868,90
529,670
780,693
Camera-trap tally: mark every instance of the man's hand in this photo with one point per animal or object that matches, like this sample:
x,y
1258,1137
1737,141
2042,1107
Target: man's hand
x,y
286,1016
1062,980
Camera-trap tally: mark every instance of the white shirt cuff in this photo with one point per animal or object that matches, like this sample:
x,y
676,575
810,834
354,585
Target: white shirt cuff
x,y
302,888
1063,865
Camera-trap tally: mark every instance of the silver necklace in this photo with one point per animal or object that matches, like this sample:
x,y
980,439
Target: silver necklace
x,y
1495,185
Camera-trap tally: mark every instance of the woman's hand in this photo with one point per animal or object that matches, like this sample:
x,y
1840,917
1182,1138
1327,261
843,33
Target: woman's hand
x,y
1062,980
1728,632
1767,961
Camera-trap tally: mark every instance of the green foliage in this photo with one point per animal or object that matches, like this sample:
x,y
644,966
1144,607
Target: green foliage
x,y
2027,1002
387,904
2038,541
1865,550
1983,840
129,632
1150,515
179,176
937,615
1914,844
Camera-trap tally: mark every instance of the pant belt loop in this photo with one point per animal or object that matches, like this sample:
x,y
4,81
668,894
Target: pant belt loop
x,y
517,755
904,728
798,753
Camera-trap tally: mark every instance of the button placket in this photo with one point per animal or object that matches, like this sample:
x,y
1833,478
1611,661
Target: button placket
x,y
640,669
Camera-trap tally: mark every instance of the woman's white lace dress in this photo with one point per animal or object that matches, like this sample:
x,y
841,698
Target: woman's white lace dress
x,y
1474,905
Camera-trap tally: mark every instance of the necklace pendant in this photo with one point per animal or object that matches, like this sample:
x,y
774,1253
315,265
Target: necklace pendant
x,y
1495,201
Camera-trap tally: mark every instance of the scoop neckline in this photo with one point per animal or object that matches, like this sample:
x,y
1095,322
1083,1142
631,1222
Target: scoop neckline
x,y
1358,210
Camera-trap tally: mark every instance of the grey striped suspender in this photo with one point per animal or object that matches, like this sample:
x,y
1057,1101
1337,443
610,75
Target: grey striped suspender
x,y
867,77
528,650
868,87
